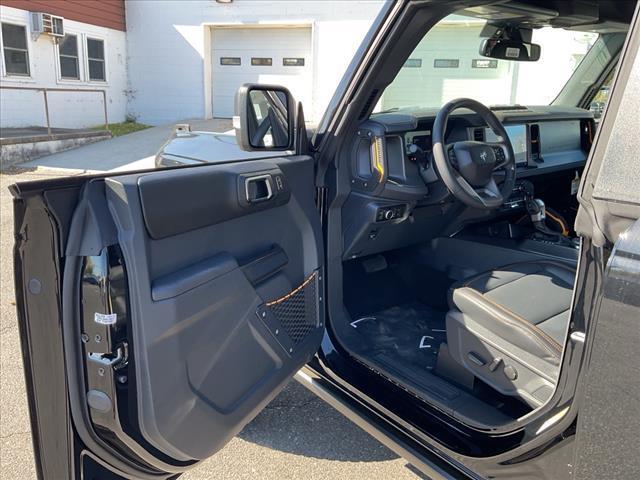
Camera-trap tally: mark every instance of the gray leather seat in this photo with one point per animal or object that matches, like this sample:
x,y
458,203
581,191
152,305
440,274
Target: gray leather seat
x,y
508,326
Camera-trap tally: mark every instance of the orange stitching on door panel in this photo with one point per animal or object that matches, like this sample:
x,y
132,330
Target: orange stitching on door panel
x,y
293,292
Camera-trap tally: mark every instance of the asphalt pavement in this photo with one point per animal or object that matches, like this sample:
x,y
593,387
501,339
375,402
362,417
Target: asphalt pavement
x,y
296,436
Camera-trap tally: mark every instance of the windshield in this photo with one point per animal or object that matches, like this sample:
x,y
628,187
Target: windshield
x,y
446,65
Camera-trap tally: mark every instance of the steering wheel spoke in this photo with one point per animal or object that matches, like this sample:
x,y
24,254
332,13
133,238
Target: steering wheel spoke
x,y
488,195
451,155
501,152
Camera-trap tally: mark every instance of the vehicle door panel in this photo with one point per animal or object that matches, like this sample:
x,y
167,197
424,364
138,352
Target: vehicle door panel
x,y
196,305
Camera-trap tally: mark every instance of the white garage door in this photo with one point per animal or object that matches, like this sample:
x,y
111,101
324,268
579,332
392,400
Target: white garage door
x,y
279,56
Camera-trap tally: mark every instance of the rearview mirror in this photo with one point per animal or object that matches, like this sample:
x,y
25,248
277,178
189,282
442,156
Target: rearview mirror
x,y
506,49
264,118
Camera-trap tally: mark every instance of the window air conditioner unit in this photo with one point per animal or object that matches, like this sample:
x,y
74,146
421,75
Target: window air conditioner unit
x,y
46,23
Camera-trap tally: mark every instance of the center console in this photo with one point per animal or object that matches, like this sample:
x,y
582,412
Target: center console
x,y
507,235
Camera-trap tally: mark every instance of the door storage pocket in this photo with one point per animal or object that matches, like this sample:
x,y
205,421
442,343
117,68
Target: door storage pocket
x,y
292,317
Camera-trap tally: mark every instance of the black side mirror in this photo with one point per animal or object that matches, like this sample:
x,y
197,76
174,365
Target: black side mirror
x,y
265,118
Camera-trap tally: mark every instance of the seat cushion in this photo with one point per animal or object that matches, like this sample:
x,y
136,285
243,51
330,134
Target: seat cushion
x,y
526,304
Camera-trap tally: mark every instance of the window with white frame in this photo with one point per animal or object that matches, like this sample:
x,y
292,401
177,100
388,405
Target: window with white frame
x,y
96,59
69,58
14,49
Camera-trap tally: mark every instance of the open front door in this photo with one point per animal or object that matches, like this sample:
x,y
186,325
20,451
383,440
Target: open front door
x,y
609,195
161,311
609,218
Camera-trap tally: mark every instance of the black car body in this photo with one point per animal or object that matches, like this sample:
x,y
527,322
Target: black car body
x,y
160,311
189,147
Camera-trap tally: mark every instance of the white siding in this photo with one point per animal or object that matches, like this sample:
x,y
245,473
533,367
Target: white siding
x,y
66,109
170,49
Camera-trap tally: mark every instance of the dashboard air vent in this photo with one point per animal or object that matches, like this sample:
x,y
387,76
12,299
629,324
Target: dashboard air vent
x,y
478,134
534,143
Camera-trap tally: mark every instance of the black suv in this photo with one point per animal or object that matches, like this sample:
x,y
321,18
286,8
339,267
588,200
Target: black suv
x,y
462,281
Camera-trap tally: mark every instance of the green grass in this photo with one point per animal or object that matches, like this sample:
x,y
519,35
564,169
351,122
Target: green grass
x,y
124,128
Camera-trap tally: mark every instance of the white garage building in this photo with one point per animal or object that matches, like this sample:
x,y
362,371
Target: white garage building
x,y
446,65
187,59
178,60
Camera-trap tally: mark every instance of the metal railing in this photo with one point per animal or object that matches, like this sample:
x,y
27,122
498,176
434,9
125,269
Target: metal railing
x,y
44,91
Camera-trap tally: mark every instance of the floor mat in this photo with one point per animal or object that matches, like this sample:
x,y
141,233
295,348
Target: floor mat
x,y
411,333
373,292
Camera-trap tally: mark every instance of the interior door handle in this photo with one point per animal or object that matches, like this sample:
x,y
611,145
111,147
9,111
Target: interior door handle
x,y
258,188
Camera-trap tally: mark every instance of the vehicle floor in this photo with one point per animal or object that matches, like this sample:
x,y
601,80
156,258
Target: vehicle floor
x,y
412,331
401,282
397,312
398,316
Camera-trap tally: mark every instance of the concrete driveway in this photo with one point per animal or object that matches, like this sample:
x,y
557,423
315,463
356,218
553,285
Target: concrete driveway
x,y
129,152
296,436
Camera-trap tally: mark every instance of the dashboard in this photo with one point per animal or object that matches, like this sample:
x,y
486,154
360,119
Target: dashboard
x,y
394,181
540,147
544,140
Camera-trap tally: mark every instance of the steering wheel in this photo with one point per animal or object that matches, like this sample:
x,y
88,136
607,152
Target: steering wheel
x,y
467,167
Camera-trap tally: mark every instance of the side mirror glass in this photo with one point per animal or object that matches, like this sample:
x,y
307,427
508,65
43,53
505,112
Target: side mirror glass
x,y
505,49
264,118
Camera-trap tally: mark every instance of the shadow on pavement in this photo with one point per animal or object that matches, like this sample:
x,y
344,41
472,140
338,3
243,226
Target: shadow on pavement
x,y
298,422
